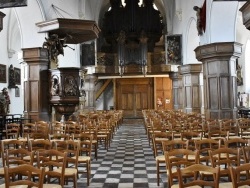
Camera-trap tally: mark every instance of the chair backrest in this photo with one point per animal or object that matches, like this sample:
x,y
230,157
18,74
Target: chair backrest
x,y
9,144
174,144
12,130
236,142
24,170
39,145
42,130
178,158
53,160
15,157
225,157
157,138
246,153
58,128
196,180
28,129
236,175
59,136
204,146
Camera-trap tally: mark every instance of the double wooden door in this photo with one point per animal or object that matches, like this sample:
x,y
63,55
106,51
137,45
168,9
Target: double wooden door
x,y
133,95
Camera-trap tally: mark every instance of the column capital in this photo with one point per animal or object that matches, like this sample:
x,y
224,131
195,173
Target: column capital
x,y
190,68
35,55
245,9
220,49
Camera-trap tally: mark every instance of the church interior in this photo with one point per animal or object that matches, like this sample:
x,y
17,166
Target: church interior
x,y
168,66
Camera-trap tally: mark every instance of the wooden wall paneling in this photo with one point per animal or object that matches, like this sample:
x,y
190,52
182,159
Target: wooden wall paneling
x,y
192,87
163,93
36,105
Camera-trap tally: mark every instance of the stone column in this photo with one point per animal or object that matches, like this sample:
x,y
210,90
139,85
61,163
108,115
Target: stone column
x,y
36,85
89,88
220,82
192,87
175,90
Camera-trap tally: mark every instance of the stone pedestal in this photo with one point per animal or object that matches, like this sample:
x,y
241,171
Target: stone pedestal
x,y
192,87
89,88
220,85
36,101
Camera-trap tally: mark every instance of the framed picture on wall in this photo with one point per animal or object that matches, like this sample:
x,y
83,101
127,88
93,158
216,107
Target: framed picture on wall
x,y
87,56
12,3
3,76
17,73
174,49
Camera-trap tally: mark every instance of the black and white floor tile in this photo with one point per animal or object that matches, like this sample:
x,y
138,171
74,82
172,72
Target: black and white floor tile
x,y
128,163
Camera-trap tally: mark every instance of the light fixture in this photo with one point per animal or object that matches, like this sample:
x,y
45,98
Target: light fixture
x,y
2,15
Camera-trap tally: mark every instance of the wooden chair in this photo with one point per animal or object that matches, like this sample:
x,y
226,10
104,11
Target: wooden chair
x,y
92,129
230,125
20,156
39,145
71,147
70,127
157,139
54,163
244,127
27,171
191,136
58,128
236,142
85,154
12,130
224,158
103,134
236,175
176,158
28,129
42,131
59,136
204,146
196,180
7,145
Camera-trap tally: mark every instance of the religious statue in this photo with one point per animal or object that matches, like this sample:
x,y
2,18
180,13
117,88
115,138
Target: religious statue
x,y
198,15
239,75
4,101
55,46
201,18
55,87
12,81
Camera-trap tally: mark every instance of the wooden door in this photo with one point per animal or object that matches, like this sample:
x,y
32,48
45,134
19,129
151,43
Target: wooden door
x,y
163,93
134,95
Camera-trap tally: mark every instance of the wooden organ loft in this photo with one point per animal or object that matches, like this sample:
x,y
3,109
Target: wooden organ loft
x,y
131,52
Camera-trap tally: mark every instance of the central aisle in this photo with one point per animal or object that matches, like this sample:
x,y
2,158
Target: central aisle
x,y
129,162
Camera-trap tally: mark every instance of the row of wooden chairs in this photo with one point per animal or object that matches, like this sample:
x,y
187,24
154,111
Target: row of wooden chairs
x,y
222,158
163,144
79,151
196,171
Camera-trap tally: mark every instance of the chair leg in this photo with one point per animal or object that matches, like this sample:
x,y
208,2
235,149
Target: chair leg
x,y
158,174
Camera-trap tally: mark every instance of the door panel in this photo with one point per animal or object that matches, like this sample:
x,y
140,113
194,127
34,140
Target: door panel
x,y
134,95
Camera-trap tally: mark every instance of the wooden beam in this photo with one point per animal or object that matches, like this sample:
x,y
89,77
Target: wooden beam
x,y
101,90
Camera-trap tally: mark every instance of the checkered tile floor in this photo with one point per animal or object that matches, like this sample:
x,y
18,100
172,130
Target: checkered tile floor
x,y
128,163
